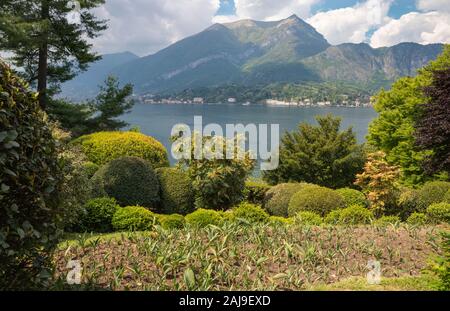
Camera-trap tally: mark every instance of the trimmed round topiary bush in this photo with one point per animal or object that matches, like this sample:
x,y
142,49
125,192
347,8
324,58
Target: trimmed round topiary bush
x,y
387,220
130,180
355,215
255,191
176,191
173,221
276,199
352,197
417,219
315,199
30,180
432,192
99,214
307,218
438,212
103,147
250,212
203,217
134,218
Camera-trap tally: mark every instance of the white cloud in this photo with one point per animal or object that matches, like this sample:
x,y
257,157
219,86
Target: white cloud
x,y
144,26
433,5
424,28
351,24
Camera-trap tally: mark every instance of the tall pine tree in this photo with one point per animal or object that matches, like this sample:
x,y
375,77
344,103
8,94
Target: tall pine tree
x,y
48,47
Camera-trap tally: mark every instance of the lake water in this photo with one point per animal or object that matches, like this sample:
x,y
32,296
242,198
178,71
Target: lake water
x,y
157,120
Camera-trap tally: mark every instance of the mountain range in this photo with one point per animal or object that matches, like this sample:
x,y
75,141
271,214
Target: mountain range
x,y
252,53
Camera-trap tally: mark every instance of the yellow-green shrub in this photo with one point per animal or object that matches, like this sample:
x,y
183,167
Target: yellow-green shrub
x,y
417,219
352,215
278,220
203,217
432,192
103,147
250,212
438,212
307,218
315,199
134,218
387,220
276,199
173,221
352,197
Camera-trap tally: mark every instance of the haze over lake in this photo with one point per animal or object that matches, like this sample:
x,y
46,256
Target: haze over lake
x,y
157,120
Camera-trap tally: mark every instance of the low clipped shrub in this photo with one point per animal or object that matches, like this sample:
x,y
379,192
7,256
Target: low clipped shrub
x,y
130,180
134,218
203,217
417,219
352,215
173,221
103,147
98,215
315,199
352,197
278,220
432,192
387,220
276,199
408,202
254,191
176,191
307,218
90,168
438,212
250,212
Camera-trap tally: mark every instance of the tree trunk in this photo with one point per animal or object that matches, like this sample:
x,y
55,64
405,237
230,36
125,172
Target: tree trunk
x,y
43,55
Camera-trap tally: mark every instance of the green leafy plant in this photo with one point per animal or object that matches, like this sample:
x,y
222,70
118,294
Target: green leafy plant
x,y
99,214
134,218
203,217
352,215
176,191
255,191
30,180
315,199
276,199
103,147
173,221
387,220
352,197
307,218
417,219
130,180
438,212
250,212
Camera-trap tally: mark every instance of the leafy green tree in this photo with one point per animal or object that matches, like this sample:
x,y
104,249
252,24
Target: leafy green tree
x,y
48,47
399,109
321,154
71,117
111,102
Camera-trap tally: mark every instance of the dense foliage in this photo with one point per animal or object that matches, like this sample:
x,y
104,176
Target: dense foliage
x,y
176,191
98,215
103,147
315,199
250,212
173,221
130,180
352,197
319,154
432,192
308,218
255,191
203,217
276,200
378,182
438,212
30,180
352,215
133,218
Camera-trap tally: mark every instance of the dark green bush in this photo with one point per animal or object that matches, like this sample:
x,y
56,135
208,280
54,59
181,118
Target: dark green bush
x,y
387,220
307,218
176,191
352,197
134,218
203,217
99,214
255,191
352,215
173,221
432,192
315,199
276,200
103,147
130,180
408,202
250,212
417,219
30,180
438,212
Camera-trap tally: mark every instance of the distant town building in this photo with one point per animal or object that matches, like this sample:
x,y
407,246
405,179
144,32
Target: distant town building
x,y
198,100
231,100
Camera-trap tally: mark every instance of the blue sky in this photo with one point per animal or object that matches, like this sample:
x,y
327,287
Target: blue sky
x,y
146,26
